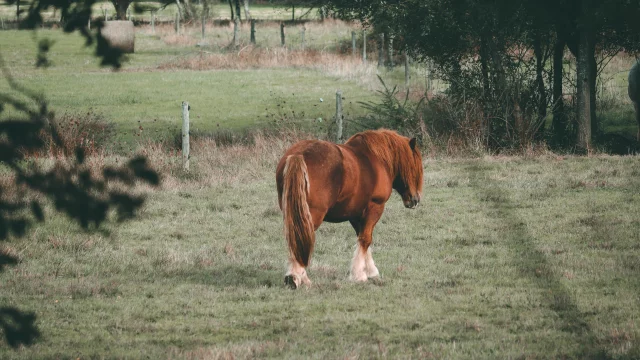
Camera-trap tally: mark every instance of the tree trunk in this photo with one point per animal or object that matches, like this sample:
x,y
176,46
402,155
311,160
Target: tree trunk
x,y
121,8
238,10
381,50
231,10
585,53
542,92
179,13
502,95
593,76
390,63
188,14
247,13
236,33
559,117
486,89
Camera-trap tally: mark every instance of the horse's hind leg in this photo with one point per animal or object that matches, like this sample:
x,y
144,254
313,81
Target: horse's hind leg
x,y
296,275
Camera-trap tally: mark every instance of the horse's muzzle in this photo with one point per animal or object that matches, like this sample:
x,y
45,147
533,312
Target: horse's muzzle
x,y
413,202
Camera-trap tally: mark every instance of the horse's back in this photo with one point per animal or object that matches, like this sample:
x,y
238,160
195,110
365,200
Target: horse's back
x,y
324,166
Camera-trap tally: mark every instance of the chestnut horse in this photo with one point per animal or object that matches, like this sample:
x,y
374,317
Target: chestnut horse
x,y
320,181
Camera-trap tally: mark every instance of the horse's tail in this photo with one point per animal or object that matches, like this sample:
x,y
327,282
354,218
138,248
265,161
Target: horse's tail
x,y
298,225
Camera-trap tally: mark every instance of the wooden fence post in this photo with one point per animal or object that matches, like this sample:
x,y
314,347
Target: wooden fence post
x,y
178,23
353,44
339,116
253,31
282,33
364,47
203,22
185,135
304,29
153,21
381,50
390,52
428,76
406,68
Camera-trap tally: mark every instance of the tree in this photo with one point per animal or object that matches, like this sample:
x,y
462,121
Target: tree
x,y
476,45
121,8
74,190
238,10
231,10
247,13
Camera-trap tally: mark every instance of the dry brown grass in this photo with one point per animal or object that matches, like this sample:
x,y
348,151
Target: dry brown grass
x,y
179,39
325,49
215,164
250,57
88,131
257,156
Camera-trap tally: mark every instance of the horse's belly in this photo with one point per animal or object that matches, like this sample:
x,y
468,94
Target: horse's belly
x,y
335,219
343,212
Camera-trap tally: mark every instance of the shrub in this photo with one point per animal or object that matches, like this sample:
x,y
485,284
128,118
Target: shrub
x,y
403,116
88,131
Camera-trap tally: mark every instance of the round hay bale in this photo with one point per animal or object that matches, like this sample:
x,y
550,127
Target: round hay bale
x,y
119,34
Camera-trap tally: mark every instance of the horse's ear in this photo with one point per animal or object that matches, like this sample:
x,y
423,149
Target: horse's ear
x,y
413,143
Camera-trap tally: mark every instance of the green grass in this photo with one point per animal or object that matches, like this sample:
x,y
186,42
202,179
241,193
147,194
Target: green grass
x,y
218,11
142,95
504,258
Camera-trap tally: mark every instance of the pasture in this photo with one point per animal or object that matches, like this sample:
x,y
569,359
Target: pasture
x,y
228,92
504,258
531,256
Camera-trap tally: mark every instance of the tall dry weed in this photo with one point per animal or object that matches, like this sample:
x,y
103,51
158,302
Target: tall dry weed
x,y
212,163
250,57
87,131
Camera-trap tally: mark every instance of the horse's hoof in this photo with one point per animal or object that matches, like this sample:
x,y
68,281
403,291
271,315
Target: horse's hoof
x,y
373,274
290,281
358,278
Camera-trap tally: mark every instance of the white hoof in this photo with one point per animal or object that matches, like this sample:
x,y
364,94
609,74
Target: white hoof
x,y
372,273
362,277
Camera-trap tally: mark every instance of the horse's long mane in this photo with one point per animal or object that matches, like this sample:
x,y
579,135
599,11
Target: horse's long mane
x,y
392,149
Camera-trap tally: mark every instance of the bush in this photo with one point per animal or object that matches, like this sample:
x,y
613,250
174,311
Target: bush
x,y
403,116
87,131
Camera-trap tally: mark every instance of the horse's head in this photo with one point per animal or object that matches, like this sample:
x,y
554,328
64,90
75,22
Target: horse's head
x,y
408,181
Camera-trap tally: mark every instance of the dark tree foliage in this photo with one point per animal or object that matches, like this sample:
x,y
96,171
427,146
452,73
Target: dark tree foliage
x,y
498,53
86,195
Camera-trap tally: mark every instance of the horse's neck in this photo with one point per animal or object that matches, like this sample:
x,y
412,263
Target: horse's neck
x,y
359,146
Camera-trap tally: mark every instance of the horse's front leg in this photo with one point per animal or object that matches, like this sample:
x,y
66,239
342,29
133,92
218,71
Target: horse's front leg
x,y
362,265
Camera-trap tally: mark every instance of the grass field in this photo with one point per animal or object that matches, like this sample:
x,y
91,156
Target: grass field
x,y
504,258
149,89
217,11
